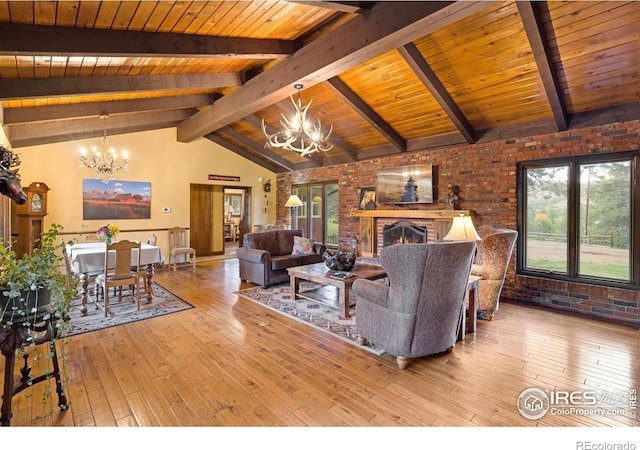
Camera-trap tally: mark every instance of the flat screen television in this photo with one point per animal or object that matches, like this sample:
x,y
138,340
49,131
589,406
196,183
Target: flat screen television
x,y
405,184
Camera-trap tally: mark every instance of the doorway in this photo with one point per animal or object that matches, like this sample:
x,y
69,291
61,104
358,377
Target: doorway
x,y
233,212
237,214
205,234
218,218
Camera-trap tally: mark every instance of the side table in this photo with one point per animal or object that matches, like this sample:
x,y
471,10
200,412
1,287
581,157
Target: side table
x,y
468,323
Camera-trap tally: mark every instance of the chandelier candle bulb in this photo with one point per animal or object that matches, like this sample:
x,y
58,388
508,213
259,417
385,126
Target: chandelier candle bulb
x,y
299,134
104,164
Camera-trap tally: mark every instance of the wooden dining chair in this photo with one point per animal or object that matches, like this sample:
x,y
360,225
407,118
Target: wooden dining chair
x,y
122,269
179,247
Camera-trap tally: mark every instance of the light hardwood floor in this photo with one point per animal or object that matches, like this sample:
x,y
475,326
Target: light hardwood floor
x,y
230,362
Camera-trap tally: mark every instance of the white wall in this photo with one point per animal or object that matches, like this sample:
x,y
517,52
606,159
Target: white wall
x,y
155,157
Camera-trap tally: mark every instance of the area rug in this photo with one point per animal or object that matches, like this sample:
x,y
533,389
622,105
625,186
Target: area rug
x,y
315,314
164,302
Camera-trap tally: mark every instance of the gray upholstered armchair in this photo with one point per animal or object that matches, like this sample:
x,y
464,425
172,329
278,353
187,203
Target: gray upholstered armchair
x,y
421,310
492,260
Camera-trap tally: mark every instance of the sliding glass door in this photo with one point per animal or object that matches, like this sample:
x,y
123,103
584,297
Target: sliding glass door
x,y
318,215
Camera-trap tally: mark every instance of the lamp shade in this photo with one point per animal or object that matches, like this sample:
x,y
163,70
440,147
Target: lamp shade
x,y
462,229
293,201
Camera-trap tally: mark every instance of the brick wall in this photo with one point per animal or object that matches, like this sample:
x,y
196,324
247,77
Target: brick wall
x,y
486,174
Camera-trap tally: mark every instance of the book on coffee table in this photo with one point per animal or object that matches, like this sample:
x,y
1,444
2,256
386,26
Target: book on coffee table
x,y
342,275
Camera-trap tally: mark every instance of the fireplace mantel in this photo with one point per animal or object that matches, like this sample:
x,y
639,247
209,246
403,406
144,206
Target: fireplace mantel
x,y
412,213
368,240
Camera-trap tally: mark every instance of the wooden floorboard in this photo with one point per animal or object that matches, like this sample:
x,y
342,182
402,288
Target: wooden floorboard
x,y
230,362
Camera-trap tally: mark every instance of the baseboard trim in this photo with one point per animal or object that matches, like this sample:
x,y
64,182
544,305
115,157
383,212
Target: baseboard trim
x,y
625,323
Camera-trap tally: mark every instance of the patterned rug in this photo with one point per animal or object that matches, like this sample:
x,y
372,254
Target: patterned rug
x,y
315,314
164,302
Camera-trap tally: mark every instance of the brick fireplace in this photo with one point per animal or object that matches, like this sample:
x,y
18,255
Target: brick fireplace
x,y
403,232
372,222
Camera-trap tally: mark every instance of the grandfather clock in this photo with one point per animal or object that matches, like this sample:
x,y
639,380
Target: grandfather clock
x,y
30,218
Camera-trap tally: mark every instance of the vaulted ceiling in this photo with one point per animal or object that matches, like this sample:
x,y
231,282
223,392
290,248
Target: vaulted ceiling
x,y
389,77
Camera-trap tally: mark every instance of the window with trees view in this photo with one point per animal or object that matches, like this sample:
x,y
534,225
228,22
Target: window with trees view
x,y
575,219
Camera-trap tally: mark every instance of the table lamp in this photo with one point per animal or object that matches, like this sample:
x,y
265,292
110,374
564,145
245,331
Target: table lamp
x,y
462,229
292,203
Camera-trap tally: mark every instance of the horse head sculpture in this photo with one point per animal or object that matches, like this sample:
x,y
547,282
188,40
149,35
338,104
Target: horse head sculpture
x,y
10,185
9,179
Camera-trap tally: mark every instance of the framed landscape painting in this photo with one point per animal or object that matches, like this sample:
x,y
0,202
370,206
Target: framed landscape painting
x,y
405,184
115,199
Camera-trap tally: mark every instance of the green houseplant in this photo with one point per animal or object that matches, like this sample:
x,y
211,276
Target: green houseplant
x,y
33,287
35,291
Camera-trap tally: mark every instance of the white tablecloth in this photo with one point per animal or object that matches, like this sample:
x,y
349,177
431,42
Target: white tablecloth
x,y
89,257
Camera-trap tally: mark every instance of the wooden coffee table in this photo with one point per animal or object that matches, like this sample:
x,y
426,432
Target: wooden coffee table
x,y
334,291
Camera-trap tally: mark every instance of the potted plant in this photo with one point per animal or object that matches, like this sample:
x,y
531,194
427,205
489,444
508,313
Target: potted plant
x,y
33,287
35,291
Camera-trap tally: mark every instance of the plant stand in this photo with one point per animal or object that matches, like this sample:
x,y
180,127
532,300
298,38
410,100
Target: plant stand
x,y
13,338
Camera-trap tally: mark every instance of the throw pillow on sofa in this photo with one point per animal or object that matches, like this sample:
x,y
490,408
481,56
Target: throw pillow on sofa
x,y
302,246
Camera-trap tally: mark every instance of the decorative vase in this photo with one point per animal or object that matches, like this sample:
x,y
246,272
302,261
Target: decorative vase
x,y
339,260
107,239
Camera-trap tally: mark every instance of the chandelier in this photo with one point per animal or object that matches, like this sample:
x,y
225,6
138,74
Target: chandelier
x,y
104,162
299,134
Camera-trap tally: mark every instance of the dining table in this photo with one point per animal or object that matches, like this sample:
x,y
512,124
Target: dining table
x,y
88,259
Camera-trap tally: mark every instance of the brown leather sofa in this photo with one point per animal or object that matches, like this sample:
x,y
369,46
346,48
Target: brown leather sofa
x,y
265,257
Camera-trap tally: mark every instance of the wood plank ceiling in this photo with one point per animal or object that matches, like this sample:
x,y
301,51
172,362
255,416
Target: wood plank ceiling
x,y
389,77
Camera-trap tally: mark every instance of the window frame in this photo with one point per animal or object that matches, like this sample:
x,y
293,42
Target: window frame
x,y
312,211
573,216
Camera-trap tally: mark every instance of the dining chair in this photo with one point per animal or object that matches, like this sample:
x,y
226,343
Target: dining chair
x,y
72,278
152,239
179,247
121,269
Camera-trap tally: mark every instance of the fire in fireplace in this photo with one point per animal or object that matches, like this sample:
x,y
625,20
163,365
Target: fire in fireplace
x,y
403,232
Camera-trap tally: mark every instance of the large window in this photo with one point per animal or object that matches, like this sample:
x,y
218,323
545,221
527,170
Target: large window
x,y
576,219
318,215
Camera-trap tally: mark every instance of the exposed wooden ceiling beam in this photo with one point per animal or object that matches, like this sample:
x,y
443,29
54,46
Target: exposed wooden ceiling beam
x,y
339,87
266,153
44,132
15,116
348,150
347,7
30,40
533,28
23,88
387,26
593,118
423,71
242,152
